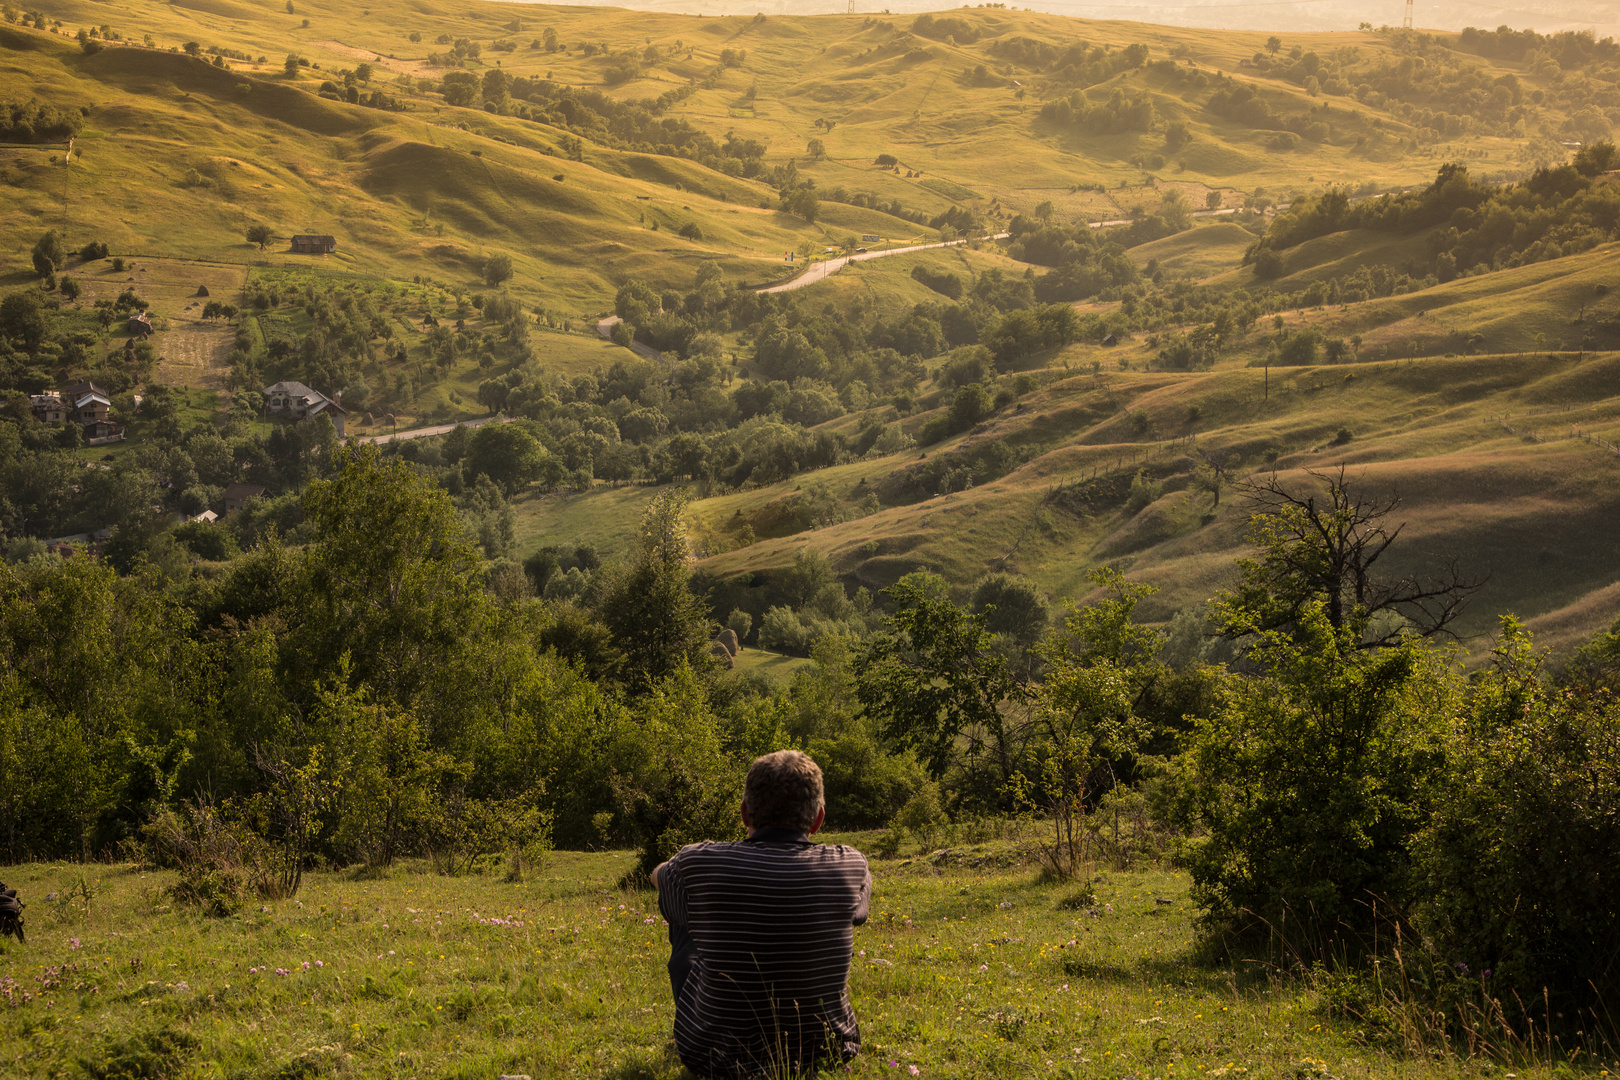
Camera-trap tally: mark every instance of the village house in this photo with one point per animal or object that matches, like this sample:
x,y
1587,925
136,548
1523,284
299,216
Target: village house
x,y
48,408
140,324
314,245
239,495
82,403
299,402
90,404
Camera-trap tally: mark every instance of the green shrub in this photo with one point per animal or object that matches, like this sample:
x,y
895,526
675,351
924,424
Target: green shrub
x,y
1144,492
923,815
1307,781
673,782
1520,862
214,890
783,630
865,785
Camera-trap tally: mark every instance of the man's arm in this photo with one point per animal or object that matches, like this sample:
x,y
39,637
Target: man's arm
x,y
863,902
667,879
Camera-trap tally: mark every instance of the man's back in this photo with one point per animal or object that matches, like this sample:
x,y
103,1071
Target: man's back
x,y
771,918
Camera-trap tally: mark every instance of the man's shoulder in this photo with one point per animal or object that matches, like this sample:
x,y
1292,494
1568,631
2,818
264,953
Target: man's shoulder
x,y
743,851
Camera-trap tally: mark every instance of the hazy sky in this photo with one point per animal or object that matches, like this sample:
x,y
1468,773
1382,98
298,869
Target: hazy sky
x,y
1602,18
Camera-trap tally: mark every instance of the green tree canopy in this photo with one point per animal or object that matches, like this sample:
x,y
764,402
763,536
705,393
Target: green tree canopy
x,y
497,268
506,454
48,254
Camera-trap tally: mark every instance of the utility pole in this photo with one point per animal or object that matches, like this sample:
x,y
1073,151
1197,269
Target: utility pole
x,y
1406,23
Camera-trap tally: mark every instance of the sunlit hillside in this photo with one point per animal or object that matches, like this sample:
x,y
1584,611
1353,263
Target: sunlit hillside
x,y
596,147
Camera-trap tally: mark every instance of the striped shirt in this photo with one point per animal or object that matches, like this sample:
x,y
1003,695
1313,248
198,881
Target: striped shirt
x,y
772,918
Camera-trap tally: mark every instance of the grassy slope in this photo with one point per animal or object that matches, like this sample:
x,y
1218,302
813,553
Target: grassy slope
x,y
1530,507
405,193
431,191
966,968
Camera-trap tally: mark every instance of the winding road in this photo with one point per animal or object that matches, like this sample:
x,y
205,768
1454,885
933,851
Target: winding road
x,y
646,352
437,429
822,270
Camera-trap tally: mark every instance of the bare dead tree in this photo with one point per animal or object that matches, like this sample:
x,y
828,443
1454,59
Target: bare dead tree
x,y
1325,545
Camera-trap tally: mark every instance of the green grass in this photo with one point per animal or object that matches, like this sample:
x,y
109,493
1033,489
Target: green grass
x,y
778,667
969,967
605,517
1205,249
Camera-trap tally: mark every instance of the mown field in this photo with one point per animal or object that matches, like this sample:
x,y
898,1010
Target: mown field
x,y
969,967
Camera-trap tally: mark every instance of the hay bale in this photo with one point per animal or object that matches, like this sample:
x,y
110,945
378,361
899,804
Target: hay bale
x,y
728,640
202,290
720,652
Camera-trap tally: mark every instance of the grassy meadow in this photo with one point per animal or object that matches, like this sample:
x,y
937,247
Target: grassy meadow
x,y
969,967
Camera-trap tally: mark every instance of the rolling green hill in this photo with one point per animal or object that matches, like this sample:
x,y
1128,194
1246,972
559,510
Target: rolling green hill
x,y
597,146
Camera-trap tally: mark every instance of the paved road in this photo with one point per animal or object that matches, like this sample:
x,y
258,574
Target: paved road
x,y
439,429
605,328
822,270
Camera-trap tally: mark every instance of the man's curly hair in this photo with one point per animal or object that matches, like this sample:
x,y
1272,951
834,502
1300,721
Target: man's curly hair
x,y
784,791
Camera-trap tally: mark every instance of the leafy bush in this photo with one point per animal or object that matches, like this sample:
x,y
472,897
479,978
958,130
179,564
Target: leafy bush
x,y
943,282
38,121
923,815
959,30
459,832
865,785
673,783
1308,779
1518,864
208,852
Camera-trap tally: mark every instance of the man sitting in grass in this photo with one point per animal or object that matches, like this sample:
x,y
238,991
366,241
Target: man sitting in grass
x,y
761,932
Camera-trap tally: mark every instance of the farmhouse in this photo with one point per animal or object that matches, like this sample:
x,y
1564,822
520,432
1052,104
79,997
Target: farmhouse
x,y
140,323
82,403
48,408
295,400
314,245
87,403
